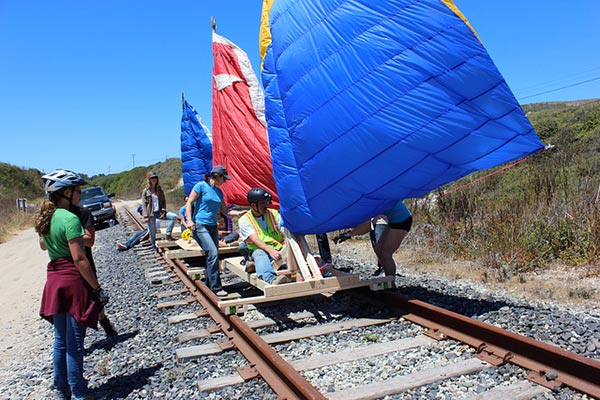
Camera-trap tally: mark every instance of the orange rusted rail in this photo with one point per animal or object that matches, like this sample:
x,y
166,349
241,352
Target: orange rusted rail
x,y
498,346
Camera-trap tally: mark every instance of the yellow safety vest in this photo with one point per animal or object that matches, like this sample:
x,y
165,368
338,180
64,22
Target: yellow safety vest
x,y
272,236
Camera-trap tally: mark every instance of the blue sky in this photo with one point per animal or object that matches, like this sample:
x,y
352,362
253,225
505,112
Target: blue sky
x,y
95,86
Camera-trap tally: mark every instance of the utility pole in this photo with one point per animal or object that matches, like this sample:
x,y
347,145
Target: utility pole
x,y
133,160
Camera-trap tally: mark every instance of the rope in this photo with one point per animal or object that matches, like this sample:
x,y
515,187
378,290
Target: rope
x,y
447,192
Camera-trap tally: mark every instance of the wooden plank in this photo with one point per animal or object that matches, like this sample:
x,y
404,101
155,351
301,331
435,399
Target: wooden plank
x,y
234,265
209,385
187,316
290,295
157,273
193,245
323,360
403,383
259,323
193,352
310,259
175,303
295,252
176,230
172,293
322,329
166,244
324,284
522,390
179,253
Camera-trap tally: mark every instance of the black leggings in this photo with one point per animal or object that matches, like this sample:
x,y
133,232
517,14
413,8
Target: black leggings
x,y
404,225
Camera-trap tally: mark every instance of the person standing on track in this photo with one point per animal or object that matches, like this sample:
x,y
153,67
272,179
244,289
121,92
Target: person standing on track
x,y
72,297
206,201
399,224
153,203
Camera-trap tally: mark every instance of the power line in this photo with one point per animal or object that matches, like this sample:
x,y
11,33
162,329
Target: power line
x,y
560,80
560,88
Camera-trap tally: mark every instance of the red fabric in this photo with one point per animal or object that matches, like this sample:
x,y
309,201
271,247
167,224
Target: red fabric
x,y
239,139
67,292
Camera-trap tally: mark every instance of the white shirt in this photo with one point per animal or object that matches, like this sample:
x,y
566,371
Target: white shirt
x,y
155,202
246,228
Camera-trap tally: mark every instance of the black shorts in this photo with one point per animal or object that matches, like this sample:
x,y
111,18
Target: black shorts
x,y
404,225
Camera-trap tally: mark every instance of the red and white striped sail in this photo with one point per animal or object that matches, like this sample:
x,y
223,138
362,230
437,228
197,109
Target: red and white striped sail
x,y
239,129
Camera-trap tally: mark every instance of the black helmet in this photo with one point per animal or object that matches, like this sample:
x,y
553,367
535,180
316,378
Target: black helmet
x,y
257,194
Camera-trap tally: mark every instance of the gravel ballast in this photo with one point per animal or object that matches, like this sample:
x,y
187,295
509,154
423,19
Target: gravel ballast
x,y
140,363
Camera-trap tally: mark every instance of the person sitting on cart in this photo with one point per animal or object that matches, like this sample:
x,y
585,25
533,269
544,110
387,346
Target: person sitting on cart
x,y
260,228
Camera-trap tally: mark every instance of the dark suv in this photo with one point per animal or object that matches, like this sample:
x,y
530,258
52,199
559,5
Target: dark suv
x,y
98,202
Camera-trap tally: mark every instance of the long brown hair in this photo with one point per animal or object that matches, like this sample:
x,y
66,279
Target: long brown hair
x,y
43,216
155,188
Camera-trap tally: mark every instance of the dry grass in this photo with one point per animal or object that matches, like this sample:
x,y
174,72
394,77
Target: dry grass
x,y
12,223
570,286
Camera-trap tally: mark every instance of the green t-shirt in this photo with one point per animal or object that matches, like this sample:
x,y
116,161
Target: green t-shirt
x,y
64,226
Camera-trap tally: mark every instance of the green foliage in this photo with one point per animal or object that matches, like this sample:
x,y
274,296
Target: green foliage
x,y
17,183
540,211
129,184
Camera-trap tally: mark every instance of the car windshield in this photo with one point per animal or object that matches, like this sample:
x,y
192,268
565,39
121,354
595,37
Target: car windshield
x,y
91,193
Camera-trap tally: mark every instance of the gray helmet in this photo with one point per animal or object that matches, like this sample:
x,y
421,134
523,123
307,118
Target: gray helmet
x,y
60,179
257,194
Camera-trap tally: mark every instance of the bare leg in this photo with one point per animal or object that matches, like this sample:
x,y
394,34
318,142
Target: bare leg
x,y
386,246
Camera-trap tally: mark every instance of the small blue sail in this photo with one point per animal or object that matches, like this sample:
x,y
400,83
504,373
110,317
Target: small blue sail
x,y
370,102
196,148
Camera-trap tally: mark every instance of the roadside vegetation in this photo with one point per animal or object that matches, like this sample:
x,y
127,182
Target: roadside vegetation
x,y
542,211
17,183
545,210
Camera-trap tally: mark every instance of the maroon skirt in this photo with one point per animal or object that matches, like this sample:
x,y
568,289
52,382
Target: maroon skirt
x,y
67,292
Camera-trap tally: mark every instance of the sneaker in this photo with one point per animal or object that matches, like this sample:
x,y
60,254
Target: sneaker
x,y
378,271
222,293
108,327
121,247
280,280
250,267
169,237
63,394
325,269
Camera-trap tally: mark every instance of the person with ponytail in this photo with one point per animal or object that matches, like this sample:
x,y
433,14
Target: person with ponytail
x,y
72,297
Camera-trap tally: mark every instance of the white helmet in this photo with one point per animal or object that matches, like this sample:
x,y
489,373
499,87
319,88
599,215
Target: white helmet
x,y
60,179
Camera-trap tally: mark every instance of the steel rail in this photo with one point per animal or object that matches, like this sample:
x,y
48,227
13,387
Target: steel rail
x,y
263,360
284,379
550,365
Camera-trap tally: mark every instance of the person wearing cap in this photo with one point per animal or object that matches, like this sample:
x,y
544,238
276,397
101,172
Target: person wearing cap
x,y
206,201
154,206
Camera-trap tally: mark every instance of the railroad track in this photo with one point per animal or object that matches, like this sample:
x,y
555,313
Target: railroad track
x,y
373,331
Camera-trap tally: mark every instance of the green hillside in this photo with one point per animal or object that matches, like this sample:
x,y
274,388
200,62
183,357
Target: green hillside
x,y
543,210
129,184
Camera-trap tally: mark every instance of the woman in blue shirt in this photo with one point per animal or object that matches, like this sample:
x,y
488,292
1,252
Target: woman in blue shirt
x,y
206,199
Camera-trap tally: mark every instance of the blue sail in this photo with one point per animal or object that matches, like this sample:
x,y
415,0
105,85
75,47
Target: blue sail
x,y
371,102
196,148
